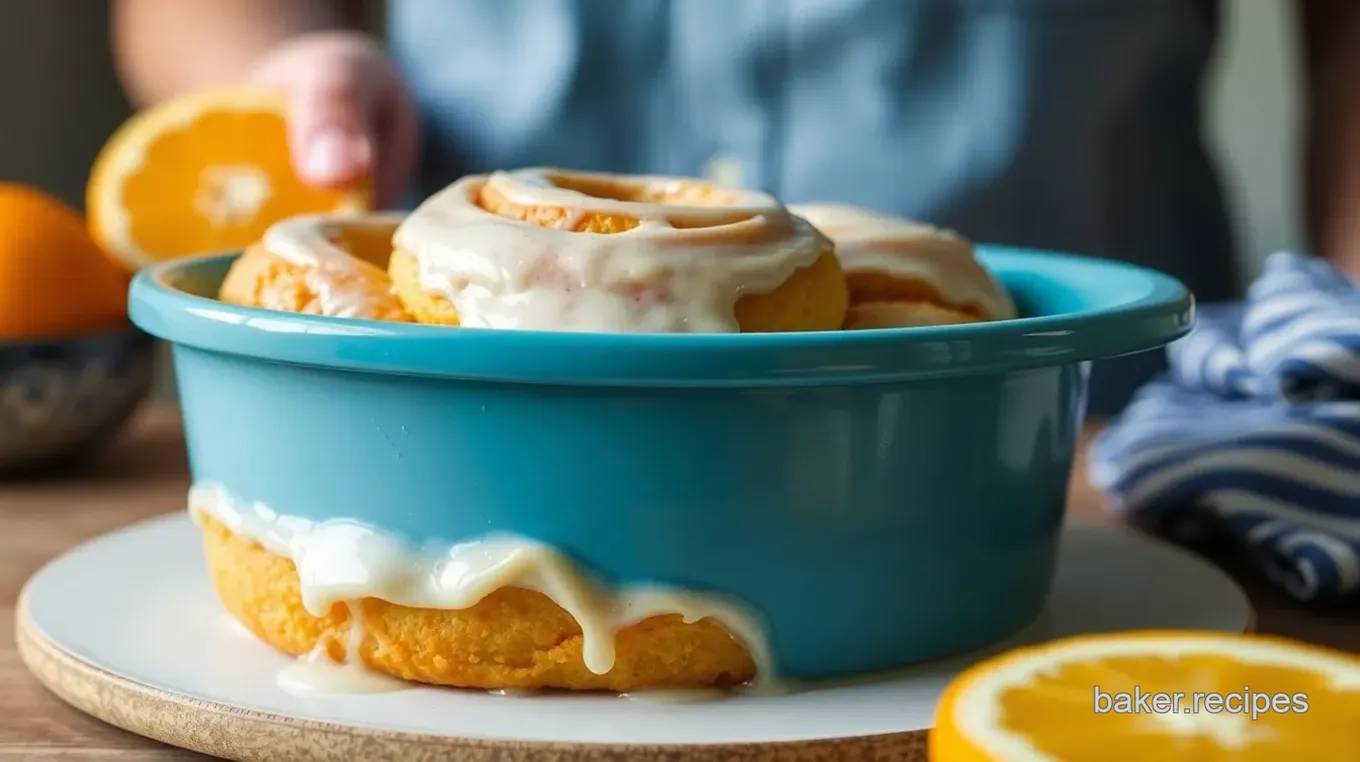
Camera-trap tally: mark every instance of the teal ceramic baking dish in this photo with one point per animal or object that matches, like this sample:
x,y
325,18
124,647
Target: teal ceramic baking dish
x,y
879,497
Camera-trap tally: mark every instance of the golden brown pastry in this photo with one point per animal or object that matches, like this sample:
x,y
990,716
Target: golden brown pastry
x,y
513,638
331,265
902,273
554,250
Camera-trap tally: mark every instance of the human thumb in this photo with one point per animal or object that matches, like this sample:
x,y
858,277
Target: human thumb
x,y
330,126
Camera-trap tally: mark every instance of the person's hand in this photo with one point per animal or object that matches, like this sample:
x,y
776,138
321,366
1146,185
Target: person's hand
x,y
350,115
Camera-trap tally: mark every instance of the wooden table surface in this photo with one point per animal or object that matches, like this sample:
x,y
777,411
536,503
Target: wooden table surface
x,y
145,474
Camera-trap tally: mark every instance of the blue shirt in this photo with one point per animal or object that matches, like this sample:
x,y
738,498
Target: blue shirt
x,y
1067,124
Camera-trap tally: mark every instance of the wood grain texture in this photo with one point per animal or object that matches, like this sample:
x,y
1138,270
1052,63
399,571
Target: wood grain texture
x,y
145,474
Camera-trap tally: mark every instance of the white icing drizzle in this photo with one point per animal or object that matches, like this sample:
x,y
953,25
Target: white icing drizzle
x,y
681,270
315,672
341,561
870,242
344,286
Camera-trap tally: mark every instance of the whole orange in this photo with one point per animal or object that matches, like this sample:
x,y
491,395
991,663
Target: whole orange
x,y
54,280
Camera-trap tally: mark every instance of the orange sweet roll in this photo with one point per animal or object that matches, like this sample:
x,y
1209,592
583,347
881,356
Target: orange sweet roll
x,y
544,249
903,273
325,264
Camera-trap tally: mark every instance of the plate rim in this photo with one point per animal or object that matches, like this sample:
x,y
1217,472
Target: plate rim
x,y
222,729
212,727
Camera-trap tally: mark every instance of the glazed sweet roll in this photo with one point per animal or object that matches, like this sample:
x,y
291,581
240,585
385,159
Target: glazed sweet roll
x,y
545,249
330,265
490,613
902,273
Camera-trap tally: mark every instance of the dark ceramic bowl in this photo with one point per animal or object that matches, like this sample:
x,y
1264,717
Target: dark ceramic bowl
x,y
61,399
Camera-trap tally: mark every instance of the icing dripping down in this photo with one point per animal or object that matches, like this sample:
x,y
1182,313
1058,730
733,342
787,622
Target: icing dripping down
x,y
344,562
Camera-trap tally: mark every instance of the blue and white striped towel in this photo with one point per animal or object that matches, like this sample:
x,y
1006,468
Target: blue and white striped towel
x,y
1255,431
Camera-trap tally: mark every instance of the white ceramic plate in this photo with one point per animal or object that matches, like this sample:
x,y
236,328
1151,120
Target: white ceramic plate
x,y
137,606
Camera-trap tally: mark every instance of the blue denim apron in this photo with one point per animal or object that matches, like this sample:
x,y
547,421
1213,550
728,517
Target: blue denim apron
x,y
1067,124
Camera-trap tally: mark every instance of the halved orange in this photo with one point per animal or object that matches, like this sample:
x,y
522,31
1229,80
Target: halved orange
x,y
1154,696
206,172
